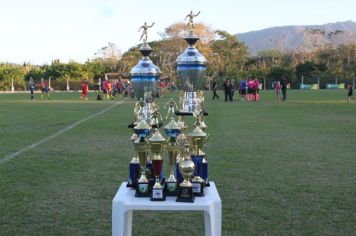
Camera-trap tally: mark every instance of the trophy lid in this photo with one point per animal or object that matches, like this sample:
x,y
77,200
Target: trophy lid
x,y
157,137
145,49
197,132
142,125
172,129
172,125
191,38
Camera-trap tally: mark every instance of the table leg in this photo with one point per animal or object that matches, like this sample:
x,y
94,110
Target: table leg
x,y
218,215
118,219
207,220
121,220
212,218
128,223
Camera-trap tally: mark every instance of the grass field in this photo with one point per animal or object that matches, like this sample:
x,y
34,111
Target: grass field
x,y
281,168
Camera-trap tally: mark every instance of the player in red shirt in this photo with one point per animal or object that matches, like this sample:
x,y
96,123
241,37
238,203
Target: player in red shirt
x,y
84,94
44,88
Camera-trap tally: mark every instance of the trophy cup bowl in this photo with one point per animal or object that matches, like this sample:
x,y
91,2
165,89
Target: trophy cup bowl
x,y
172,130
145,75
142,130
198,138
191,69
157,143
186,167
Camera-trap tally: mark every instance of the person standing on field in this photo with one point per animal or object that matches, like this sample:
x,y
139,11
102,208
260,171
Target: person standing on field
x,y
215,88
44,88
31,86
84,94
349,92
284,88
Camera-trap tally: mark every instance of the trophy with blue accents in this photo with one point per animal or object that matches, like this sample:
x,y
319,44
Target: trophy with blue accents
x,y
172,130
142,130
145,81
191,67
188,167
145,75
157,142
198,138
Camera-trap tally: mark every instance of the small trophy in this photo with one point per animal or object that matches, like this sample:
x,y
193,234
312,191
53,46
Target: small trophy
x,y
182,140
134,167
142,129
198,138
157,142
172,130
186,168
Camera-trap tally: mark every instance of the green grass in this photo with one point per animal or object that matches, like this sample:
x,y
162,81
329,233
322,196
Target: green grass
x,y
281,168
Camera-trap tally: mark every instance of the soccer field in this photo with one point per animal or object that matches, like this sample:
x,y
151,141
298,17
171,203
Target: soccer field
x,y
281,168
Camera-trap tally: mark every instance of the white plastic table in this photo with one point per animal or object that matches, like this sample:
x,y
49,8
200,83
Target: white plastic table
x,y
125,202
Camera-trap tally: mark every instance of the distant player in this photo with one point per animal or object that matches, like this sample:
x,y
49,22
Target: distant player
x,y
31,86
44,88
108,85
349,92
242,90
278,89
250,89
84,94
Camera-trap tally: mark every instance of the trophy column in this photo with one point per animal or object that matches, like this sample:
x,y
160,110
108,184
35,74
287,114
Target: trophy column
x,y
142,129
197,138
157,142
172,130
134,167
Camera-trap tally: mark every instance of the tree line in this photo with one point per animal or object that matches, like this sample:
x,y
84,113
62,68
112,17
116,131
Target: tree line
x,y
226,56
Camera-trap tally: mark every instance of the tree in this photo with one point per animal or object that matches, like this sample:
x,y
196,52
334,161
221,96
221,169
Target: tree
x,y
277,72
9,73
231,52
110,55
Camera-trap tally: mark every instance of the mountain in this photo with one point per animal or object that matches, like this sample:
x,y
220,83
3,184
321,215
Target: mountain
x,y
299,37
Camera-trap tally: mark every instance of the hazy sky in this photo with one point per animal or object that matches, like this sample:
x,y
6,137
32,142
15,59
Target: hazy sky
x,y
38,31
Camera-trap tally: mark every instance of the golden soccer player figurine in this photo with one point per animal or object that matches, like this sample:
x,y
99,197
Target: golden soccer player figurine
x,y
190,20
145,27
171,106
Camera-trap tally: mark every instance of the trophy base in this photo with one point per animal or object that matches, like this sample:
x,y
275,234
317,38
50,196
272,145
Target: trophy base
x,y
185,194
129,184
207,183
157,194
142,190
198,189
170,188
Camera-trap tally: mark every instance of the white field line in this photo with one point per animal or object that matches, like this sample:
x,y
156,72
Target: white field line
x,y
15,154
